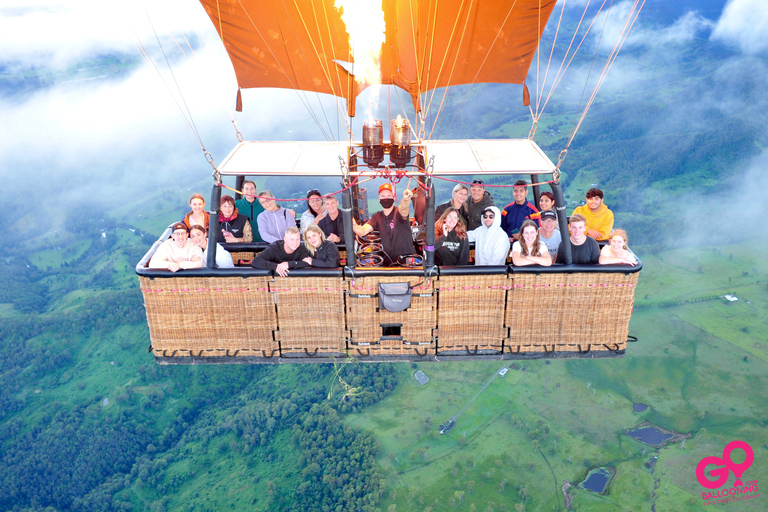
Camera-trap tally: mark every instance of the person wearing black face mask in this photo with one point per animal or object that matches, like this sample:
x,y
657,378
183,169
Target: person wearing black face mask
x,y
393,226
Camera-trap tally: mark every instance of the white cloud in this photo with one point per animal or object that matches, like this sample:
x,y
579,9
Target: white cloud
x,y
744,23
682,31
60,33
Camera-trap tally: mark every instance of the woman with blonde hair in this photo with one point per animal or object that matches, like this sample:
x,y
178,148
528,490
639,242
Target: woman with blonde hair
x,y
618,251
324,253
529,250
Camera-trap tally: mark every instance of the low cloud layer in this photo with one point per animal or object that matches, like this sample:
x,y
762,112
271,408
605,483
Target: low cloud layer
x,y
57,34
744,24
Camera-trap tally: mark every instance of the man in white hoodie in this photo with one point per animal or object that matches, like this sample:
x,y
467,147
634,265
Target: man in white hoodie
x,y
491,242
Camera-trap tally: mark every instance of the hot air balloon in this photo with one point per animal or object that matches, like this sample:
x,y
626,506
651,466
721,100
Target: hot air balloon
x,y
247,315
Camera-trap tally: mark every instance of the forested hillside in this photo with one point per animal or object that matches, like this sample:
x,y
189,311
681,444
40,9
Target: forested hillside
x,y
88,421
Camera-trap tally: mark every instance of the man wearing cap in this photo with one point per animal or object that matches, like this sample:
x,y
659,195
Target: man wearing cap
x,y
599,217
548,232
584,250
479,200
283,255
491,242
514,214
393,227
178,252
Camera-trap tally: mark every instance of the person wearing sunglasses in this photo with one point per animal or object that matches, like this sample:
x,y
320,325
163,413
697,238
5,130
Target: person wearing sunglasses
x,y
479,200
491,242
314,208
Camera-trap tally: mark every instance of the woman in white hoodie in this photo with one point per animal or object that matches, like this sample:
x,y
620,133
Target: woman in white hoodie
x,y
491,242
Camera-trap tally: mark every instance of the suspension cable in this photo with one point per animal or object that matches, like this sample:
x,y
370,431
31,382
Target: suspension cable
x,y
628,24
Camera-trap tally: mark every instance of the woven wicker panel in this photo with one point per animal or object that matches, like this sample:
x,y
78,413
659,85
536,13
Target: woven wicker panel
x,y
534,306
210,316
471,314
570,312
364,321
310,315
242,256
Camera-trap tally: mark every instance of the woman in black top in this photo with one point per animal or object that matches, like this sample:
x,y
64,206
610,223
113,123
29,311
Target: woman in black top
x,y
233,227
451,243
324,253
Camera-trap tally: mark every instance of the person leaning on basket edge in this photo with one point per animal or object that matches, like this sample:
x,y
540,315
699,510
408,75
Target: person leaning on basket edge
x,y
178,252
584,250
283,255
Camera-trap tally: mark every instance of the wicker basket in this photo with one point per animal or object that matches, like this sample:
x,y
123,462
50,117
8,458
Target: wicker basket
x,y
471,314
210,316
382,333
569,312
310,313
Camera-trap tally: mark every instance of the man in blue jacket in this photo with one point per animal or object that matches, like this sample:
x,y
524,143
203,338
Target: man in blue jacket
x,y
514,214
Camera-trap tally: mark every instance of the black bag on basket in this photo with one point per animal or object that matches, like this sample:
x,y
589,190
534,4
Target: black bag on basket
x,y
395,297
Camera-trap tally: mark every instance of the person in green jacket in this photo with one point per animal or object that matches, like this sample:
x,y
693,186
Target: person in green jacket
x,y
249,206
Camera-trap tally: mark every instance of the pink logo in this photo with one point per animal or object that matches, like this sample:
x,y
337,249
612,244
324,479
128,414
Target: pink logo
x,y
727,465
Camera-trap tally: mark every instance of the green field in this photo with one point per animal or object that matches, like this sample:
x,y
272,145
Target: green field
x,y
700,364
701,367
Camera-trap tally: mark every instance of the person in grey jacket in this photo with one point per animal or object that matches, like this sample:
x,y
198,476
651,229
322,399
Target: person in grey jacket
x,y
479,200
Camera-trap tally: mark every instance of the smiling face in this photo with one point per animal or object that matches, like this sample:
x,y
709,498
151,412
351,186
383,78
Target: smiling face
x,y
488,218
249,190
227,209
519,193
617,243
314,239
197,205
331,205
198,238
548,226
268,203
315,201
545,203
460,196
577,229
476,191
180,237
451,220
594,203
529,235
292,242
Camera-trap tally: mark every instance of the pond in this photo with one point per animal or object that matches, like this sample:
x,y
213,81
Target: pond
x,y
639,407
650,435
597,480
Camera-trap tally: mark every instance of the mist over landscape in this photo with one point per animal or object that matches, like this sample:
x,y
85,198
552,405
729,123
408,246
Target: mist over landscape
x,y
96,161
